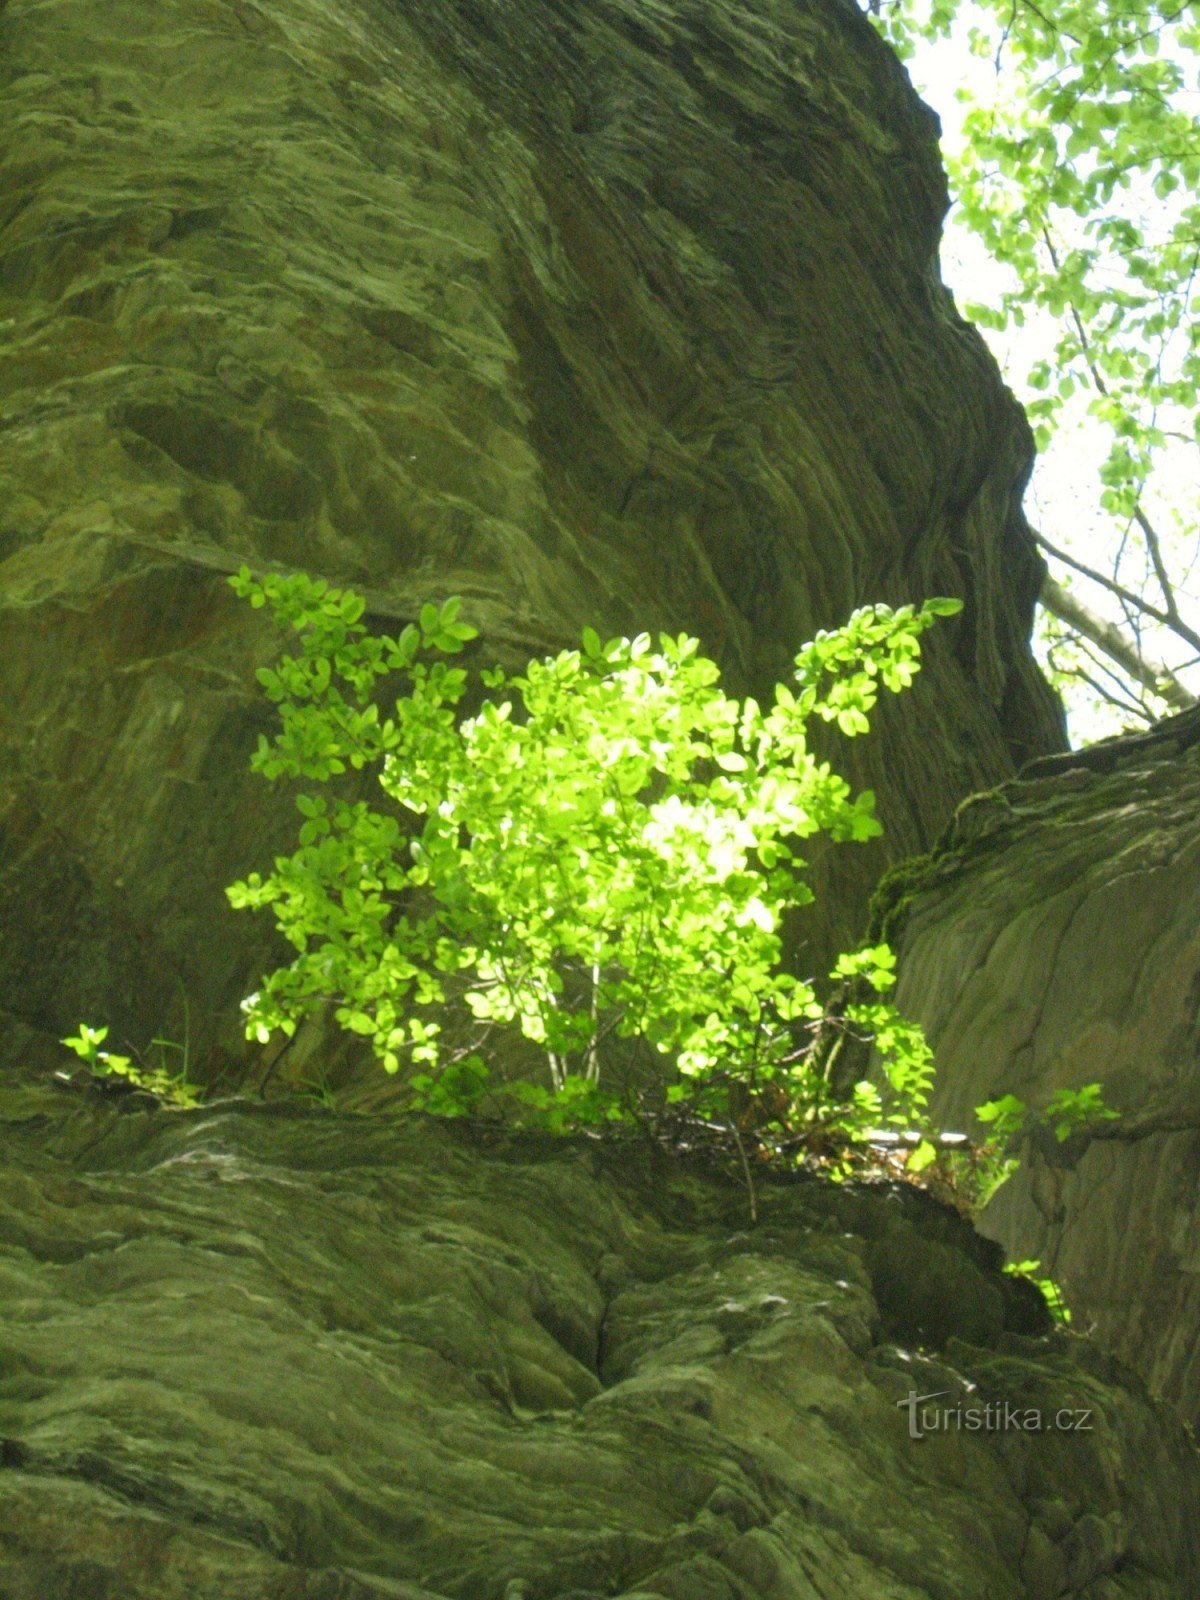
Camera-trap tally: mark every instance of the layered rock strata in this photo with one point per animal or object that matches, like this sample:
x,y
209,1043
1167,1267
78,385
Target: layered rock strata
x,y
617,313
278,1353
1053,940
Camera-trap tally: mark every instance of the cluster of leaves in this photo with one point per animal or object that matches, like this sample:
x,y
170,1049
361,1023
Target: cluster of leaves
x,y
602,853
974,1174
1091,111
1079,170
167,1084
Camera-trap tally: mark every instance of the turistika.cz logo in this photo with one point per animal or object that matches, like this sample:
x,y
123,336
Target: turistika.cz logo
x,y
995,1417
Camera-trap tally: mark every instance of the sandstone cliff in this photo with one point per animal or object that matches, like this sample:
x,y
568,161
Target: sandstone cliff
x,y
621,312
611,312
1053,940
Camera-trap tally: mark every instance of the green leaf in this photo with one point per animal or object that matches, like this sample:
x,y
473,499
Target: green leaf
x,y
923,1156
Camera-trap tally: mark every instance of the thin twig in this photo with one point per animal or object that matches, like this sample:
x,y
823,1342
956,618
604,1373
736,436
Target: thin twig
x,y
1106,636
736,1131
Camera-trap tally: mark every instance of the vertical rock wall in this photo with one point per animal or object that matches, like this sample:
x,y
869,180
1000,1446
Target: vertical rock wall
x,y
615,312
1053,941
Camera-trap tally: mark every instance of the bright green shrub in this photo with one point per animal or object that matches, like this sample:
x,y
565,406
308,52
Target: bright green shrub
x,y
603,851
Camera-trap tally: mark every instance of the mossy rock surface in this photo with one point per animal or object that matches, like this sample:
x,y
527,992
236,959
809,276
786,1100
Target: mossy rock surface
x,y
1051,940
254,1352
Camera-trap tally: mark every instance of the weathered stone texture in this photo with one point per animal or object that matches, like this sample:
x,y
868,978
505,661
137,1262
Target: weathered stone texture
x,y
275,1353
614,312
1052,941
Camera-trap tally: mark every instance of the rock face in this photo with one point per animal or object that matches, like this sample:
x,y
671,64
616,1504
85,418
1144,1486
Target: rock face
x,y
603,311
276,1353
1053,940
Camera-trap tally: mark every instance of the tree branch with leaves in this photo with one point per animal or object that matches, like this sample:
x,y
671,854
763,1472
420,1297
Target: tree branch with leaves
x,y
1077,165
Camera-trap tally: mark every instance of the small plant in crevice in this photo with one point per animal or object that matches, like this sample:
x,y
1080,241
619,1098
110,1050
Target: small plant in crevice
x,y
597,861
317,1088
1050,1291
166,1079
969,1173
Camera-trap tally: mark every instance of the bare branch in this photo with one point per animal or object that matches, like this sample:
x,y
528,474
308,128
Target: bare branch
x,y
1176,624
1152,675
1160,570
1104,694
1107,682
